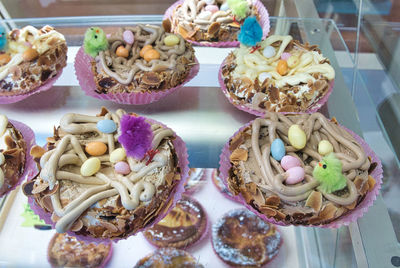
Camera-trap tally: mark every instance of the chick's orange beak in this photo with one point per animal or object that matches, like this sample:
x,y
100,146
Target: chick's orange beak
x,y
320,164
97,31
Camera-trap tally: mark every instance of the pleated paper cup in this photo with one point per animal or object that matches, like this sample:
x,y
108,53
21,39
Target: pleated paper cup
x,y
175,195
263,20
344,220
85,76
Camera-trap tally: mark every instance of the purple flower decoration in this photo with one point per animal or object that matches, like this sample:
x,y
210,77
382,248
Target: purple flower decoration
x,y
136,136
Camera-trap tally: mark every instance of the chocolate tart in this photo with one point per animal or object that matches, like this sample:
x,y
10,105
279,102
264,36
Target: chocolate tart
x,y
67,251
184,225
241,239
168,258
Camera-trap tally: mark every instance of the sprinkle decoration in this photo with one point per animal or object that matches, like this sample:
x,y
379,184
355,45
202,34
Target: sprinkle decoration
x,y
150,154
254,49
250,32
136,136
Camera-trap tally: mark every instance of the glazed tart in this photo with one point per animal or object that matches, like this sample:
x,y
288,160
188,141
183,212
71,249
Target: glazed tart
x,y
211,20
66,251
195,179
29,58
184,225
140,58
107,176
299,169
241,239
278,74
168,258
12,155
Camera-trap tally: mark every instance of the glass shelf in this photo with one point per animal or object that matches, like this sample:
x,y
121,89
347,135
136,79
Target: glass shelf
x,y
203,117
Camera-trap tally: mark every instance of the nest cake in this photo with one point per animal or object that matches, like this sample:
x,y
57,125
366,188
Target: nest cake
x,y
278,74
299,169
210,20
137,59
29,58
12,155
107,176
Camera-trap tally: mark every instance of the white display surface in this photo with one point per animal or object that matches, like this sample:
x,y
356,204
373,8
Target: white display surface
x,y
27,246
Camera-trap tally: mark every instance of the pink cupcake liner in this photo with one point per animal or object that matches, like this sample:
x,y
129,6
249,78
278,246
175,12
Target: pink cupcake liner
x,y
344,220
314,108
103,263
263,20
196,183
220,185
175,195
201,238
30,169
85,76
270,263
44,87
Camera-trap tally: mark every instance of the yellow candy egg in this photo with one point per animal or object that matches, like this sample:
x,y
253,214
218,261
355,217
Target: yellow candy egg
x,y
282,67
117,155
297,137
144,49
90,166
171,40
151,54
293,61
325,147
96,148
122,52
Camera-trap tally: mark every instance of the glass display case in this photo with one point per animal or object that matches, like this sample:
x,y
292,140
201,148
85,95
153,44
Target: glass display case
x,y
365,99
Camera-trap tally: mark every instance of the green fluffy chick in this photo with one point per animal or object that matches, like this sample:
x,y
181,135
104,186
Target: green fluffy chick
x,y
239,8
329,173
95,41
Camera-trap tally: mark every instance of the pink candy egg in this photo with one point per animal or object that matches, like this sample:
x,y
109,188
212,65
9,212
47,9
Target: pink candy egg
x,y
128,37
295,175
122,168
285,56
289,161
211,8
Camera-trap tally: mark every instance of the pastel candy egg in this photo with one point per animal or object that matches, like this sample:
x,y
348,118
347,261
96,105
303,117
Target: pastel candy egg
x,y
269,52
263,76
151,54
295,175
285,56
128,36
171,40
204,15
117,155
96,148
122,168
107,126
224,7
289,162
211,8
122,52
297,137
3,124
325,147
278,149
293,61
144,49
282,67
90,166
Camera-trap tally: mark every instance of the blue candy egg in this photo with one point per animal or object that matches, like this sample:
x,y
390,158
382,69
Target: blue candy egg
x,y
278,149
107,126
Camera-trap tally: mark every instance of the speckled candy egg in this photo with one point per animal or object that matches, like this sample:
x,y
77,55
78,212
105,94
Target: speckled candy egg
x,y
151,54
144,49
171,40
90,166
128,36
211,8
295,175
293,61
285,55
224,7
289,162
96,148
117,155
122,52
325,147
282,67
107,126
122,168
297,137
278,149
269,52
